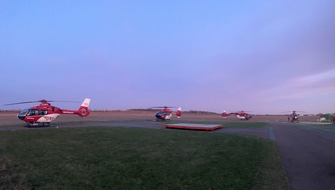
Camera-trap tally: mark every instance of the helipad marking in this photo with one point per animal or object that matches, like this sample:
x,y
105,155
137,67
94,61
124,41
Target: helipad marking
x,y
193,126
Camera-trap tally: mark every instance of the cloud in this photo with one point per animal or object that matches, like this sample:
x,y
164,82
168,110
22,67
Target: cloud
x,y
318,78
319,84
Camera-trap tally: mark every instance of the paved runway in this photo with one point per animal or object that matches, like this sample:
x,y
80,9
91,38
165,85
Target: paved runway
x,y
308,155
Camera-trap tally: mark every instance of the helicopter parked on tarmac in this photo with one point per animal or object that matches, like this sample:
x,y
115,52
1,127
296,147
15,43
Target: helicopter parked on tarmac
x,y
294,116
44,113
241,115
166,113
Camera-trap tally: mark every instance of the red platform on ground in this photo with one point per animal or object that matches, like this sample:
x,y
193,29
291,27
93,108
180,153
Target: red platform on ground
x,y
193,126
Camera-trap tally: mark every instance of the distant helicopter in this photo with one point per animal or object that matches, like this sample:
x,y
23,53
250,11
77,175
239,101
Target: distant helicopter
x,y
241,115
44,113
166,113
294,116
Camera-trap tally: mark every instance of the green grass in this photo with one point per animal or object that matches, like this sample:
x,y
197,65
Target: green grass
x,y
237,124
245,124
135,158
330,127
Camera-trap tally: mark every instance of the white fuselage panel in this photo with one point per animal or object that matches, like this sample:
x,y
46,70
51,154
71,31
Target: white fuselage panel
x,y
48,118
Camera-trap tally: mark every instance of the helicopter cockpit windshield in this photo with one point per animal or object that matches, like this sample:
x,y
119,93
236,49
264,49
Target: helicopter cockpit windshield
x,y
31,112
23,114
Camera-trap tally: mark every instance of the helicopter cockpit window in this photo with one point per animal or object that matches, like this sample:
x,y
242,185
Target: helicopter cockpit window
x,y
24,112
33,112
42,112
30,112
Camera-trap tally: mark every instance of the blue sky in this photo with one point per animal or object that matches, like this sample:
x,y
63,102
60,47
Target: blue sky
x,y
261,56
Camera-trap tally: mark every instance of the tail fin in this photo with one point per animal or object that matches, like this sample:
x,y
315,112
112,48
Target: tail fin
x,y
178,112
225,114
83,110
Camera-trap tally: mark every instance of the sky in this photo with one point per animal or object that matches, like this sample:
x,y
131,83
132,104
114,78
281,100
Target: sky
x,y
266,57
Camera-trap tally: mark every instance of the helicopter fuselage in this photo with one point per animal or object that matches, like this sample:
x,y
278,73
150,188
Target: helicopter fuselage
x,y
163,115
166,114
244,116
44,113
240,115
31,116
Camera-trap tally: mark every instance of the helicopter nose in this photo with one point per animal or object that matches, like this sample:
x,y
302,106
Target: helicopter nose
x,y
158,115
20,117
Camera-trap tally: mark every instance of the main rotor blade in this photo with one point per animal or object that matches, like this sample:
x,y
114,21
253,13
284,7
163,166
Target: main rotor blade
x,y
160,107
293,111
21,103
64,101
29,102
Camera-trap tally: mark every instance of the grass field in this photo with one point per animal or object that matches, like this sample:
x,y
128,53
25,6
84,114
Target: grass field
x,y
136,158
239,124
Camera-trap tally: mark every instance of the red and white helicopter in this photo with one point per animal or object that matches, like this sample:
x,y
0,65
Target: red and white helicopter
x,y
294,116
242,115
44,113
166,113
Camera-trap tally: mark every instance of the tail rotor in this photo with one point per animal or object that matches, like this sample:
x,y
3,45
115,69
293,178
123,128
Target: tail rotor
x,y
83,110
178,112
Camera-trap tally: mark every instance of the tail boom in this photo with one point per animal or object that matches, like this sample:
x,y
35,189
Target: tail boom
x,y
83,110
